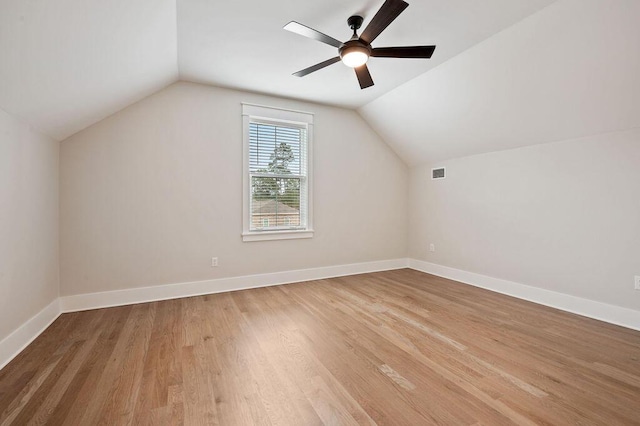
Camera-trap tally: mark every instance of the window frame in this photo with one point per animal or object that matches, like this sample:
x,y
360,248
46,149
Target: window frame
x,y
276,116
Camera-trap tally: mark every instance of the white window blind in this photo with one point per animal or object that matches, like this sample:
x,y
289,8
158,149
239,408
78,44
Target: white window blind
x,y
277,170
277,165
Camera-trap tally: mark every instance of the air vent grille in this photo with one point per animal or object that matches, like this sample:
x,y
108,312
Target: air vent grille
x,y
438,173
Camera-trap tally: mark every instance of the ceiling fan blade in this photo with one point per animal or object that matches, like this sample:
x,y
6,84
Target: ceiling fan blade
x,y
305,31
364,78
403,52
389,11
317,67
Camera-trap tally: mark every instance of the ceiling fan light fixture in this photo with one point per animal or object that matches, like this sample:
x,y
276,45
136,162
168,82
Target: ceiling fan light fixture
x,y
355,58
354,53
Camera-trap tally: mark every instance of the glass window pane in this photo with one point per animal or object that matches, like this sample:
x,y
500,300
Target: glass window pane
x,y
275,149
275,203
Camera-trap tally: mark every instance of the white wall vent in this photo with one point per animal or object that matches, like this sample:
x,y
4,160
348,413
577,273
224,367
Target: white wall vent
x,y
438,173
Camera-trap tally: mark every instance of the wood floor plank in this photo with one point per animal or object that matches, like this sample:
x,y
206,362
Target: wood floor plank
x,y
128,375
357,347
432,378
309,372
200,367
75,404
27,367
398,347
77,391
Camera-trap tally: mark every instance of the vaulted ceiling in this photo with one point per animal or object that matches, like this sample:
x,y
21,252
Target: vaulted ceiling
x,y
241,44
506,73
66,64
569,71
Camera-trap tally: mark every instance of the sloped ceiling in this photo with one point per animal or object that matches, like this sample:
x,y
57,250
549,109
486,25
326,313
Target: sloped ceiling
x,y
241,44
66,64
570,70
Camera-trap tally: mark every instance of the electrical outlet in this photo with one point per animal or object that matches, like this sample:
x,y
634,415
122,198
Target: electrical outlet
x,y
214,262
432,247
637,282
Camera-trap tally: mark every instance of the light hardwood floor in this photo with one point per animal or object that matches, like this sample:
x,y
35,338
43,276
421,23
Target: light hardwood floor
x,y
398,348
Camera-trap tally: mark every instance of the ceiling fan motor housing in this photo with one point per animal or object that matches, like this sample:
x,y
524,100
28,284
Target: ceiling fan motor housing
x,y
355,22
354,46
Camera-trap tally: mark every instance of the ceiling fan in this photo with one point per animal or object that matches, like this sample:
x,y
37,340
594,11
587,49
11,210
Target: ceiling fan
x,y
356,51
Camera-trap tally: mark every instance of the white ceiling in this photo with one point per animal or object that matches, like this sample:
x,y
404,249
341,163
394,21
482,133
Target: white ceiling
x,y
66,64
571,70
241,44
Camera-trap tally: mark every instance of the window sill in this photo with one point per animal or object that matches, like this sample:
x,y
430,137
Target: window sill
x,y
277,235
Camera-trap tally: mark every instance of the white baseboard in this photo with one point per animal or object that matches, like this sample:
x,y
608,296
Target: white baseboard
x,y
589,308
14,343
82,302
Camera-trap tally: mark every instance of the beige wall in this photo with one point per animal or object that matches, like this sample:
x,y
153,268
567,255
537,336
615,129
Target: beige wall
x,y
150,194
563,216
28,223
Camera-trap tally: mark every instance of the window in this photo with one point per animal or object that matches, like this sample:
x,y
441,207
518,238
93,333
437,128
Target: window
x,y
277,173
